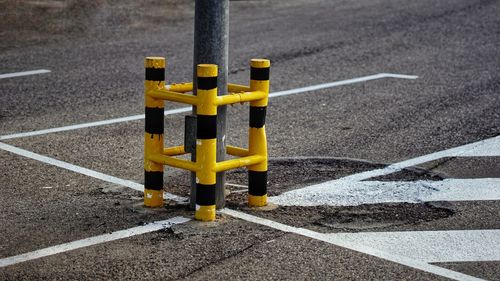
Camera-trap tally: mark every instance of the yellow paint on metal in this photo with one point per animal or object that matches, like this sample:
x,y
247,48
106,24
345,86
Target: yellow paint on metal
x,y
257,145
173,162
207,103
153,145
205,213
239,162
236,151
240,97
164,94
257,201
155,62
180,87
174,150
206,70
206,154
260,63
257,85
235,88
153,198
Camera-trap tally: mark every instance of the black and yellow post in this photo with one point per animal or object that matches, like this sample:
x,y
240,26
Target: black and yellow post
x,y
257,143
206,141
153,136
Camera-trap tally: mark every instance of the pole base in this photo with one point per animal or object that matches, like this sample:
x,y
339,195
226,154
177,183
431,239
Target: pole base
x,y
257,201
205,213
153,198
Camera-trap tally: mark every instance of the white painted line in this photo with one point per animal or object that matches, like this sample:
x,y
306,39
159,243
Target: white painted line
x,y
187,109
346,243
138,230
24,73
353,193
492,145
433,246
84,171
91,124
341,83
357,191
236,185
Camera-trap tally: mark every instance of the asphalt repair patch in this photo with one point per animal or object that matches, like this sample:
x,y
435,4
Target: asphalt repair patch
x,y
287,174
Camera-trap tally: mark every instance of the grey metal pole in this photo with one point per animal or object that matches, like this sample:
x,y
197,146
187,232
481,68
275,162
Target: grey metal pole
x,y
211,32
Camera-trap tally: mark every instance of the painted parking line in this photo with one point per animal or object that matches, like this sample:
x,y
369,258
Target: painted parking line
x,y
188,109
84,171
78,244
24,73
353,193
339,241
347,243
90,124
433,246
354,190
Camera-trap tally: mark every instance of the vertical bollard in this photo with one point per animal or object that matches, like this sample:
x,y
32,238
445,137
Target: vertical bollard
x,y
257,144
206,141
153,136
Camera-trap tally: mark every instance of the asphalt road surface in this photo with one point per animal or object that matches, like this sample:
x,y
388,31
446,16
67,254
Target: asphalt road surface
x,y
419,88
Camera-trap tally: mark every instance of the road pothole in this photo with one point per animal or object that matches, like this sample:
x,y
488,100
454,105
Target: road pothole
x,y
370,217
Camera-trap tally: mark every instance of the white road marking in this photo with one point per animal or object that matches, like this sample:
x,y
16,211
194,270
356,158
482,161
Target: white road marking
x,y
91,124
433,246
479,148
341,83
353,193
187,109
24,73
236,185
138,230
325,192
83,171
305,232
346,243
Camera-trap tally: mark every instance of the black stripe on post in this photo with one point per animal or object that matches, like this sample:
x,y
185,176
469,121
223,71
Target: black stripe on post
x,y
257,116
257,183
206,126
154,120
205,194
259,73
155,74
207,83
153,180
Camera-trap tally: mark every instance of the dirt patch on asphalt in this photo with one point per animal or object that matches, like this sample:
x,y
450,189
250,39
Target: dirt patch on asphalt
x,y
375,217
285,174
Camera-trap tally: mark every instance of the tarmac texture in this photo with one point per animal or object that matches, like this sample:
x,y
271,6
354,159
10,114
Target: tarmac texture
x,y
95,52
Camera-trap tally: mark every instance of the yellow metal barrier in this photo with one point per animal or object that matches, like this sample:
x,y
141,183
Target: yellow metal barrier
x,y
206,166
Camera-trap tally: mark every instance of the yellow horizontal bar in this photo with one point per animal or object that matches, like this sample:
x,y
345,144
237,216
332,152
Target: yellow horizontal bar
x,y
180,87
174,150
173,96
236,151
237,88
240,97
238,163
173,162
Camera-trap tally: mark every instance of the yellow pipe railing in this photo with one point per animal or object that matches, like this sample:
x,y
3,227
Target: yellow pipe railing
x,y
206,166
240,97
237,151
239,162
237,88
173,96
180,87
172,161
174,150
